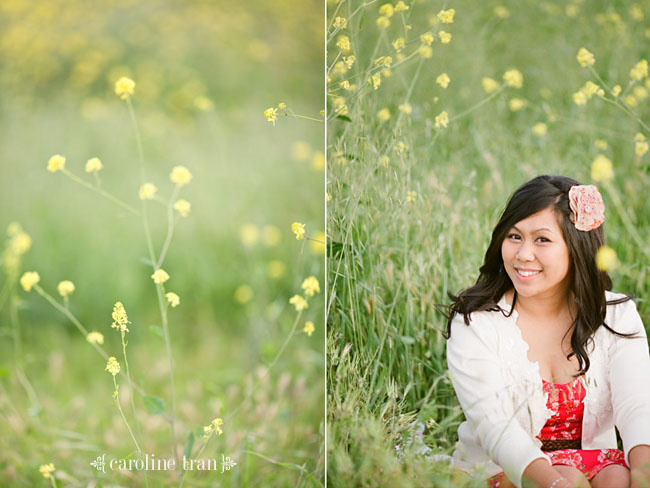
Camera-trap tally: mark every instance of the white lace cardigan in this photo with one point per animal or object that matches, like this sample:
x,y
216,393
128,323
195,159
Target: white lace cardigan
x,y
501,393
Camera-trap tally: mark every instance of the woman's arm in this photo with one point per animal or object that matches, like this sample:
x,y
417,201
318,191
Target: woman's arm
x,y
629,378
486,399
540,474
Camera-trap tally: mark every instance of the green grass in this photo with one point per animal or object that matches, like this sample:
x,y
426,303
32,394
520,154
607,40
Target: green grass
x,y
393,260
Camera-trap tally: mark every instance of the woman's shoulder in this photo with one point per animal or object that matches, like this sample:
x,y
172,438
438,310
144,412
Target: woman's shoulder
x,y
622,314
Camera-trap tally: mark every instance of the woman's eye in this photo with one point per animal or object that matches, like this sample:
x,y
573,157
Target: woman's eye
x,y
544,239
513,236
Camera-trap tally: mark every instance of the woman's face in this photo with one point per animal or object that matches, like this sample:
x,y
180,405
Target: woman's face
x,y
536,257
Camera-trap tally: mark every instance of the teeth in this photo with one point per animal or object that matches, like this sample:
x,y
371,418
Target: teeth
x,y
527,273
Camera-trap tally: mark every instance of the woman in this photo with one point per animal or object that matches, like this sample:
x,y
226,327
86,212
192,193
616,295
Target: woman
x,y
544,359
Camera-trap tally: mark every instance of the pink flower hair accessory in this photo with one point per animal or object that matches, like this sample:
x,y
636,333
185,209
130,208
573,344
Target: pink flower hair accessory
x,y
587,207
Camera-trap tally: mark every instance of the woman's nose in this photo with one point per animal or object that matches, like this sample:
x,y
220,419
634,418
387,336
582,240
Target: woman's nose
x,y
525,253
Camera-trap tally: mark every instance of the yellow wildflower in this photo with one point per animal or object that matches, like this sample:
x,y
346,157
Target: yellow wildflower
x,y
400,147
46,470
400,6
300,151
606,258
411,196
375,81
383,22
601,169
65,288
501,12
95,337
427,38
443,80
349,61
29,279
182,207
406,108
271,234
173,299
383,161
425,51
56,163
489,84
579,98
20,243
298,229
640,145
180,175
317,244
601,144
271,115
120,319
203,103
446,16
636,12
640,70
299,302
630,101
147,191
445,37
309,328
276,269
442,120
513,78
616,90
386,10
93,165
383,115
282,106
540,129
249,234
516,104
243,294
217,423
112,366
399,44
640,92
340,22
311,286
124,87
339,106
585,58
343,43
159,276
386,61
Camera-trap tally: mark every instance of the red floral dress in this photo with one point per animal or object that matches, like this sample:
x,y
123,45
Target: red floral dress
x,y
566,400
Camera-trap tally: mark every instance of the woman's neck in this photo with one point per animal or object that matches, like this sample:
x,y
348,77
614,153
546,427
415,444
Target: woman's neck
x,y
541,307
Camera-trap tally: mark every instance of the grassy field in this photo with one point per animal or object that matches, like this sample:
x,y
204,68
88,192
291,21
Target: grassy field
x,y
427,136
204,75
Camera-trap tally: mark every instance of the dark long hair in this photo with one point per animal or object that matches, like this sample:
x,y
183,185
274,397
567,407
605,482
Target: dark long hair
x,y
587,282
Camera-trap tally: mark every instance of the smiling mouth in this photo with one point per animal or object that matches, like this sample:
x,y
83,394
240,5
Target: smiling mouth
x,y
527,273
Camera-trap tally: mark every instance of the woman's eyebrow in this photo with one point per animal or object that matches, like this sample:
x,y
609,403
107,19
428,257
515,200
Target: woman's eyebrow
x,y
541,228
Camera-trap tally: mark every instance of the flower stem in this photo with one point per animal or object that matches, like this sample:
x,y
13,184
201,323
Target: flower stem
x,y
152,257
119,407
84,332
103,193
172,403
135,414
170,227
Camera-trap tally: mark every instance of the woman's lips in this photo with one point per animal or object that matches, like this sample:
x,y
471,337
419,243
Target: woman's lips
x,y
528,274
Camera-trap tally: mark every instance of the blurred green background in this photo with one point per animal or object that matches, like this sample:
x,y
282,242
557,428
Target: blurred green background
x,y
205,72
413,204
